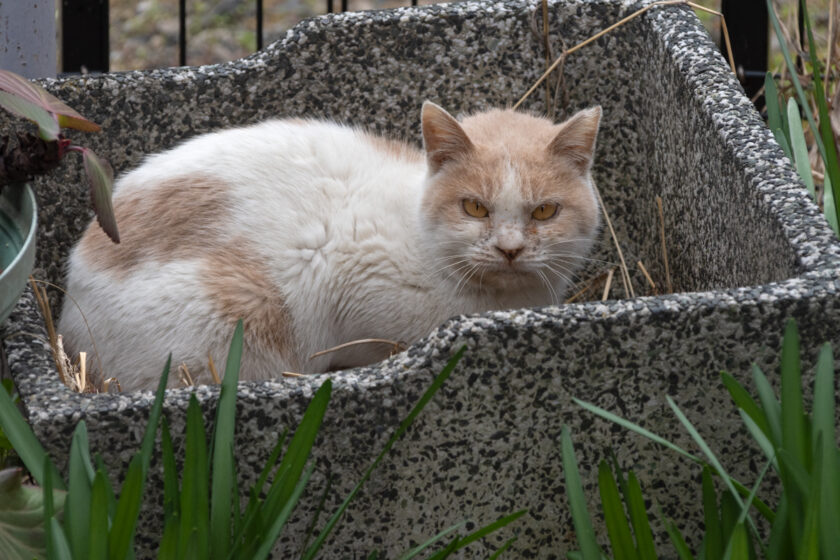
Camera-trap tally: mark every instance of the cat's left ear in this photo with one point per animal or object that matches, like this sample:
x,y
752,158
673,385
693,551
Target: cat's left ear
x,y
443,137
576,139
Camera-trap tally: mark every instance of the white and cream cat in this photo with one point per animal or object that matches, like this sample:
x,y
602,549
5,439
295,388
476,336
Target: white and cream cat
x,y
316,234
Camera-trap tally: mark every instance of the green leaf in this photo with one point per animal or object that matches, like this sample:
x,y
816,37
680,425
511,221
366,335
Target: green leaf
x,y
774,111
424,400
48,128
490,528
100,175
800,148
25,443
121,536
148,445
677,540
223,482
793,415
79,492
418,549
779,545
823,422
618,529
758,435
170,473
824,395
277,524
59,546
22,533
20,87
829,207
829,153
769,405
502,548
639,518
739,547
636,428
744,401
98,526
195,508
809,545
713,538
584,532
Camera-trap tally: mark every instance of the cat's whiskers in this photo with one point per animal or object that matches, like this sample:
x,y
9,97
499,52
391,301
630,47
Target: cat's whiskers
x,y
544,278
564,274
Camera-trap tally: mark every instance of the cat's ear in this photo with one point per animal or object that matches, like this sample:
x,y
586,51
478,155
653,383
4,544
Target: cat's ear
x,y
443,137
576,139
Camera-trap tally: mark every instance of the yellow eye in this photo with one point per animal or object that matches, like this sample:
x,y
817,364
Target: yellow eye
x,y
475,209
544,211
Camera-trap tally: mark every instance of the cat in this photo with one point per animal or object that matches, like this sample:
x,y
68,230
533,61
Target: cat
x,y
317,234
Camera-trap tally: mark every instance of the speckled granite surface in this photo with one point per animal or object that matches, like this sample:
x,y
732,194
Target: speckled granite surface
x,y
748,250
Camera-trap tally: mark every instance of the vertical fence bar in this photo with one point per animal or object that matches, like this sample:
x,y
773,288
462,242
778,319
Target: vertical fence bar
x,y
343,5
182,32
84,35
259,25
747,21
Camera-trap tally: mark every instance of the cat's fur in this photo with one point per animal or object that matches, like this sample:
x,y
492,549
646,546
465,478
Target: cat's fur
x,y
316,234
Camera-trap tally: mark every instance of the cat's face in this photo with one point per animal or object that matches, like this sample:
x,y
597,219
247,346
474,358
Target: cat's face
x,y
509,203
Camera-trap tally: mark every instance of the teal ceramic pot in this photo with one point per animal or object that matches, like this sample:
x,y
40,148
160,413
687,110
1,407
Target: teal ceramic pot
x,y
18,224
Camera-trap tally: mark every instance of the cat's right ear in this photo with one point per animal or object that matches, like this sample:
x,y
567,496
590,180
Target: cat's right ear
x,y
443,137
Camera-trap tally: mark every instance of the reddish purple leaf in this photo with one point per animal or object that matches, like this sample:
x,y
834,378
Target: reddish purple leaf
x,y
22,88
48,128
101,178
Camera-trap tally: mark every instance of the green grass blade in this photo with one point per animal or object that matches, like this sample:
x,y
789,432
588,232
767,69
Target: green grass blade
x,y
79,492
639,518
424,400
713,538
774,112
636,428
194,507
223,481
97,533
128,507
824,395
49,509
25,444
420,548
769,405
446,552
761,439
739,544
793,415
745,402
676,539
502,549
793,73
830,156
148,445
489,528
829,206
809,544
60,546
584,532
823,420
168,549
800,148
310,529
112,501
170,472
618,529
277,524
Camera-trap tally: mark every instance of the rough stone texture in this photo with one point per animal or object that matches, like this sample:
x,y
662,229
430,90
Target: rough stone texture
x,y
748,250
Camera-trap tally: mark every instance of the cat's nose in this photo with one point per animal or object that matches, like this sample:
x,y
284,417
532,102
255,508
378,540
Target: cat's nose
x,y
509,254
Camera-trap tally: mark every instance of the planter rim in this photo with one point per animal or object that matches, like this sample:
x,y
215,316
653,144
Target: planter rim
x,y
21,266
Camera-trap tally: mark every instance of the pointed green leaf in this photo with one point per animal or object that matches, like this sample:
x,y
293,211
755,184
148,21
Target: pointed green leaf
x,y
60,547
793,413
421,404
22,533
713,538
48,128
171,492
800,148
618,529
780,137
100,175
739,544
79,492
20,87
277,524
97,533
760,438
774,110
502,549
584,532
824,395
744,401
489,528
121,536
195,508
222,495
769,405
420,548
809,545
677,539
829,207
639,518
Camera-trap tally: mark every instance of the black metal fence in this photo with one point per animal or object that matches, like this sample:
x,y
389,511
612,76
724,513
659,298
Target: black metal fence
x,y
85,36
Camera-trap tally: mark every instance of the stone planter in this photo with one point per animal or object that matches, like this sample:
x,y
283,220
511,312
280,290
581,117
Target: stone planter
x,y
747,248
18,226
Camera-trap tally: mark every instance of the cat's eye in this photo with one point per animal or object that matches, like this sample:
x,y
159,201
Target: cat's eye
x,y
544,211
475,209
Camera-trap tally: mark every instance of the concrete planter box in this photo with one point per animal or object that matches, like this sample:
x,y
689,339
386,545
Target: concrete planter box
x,y
747,247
